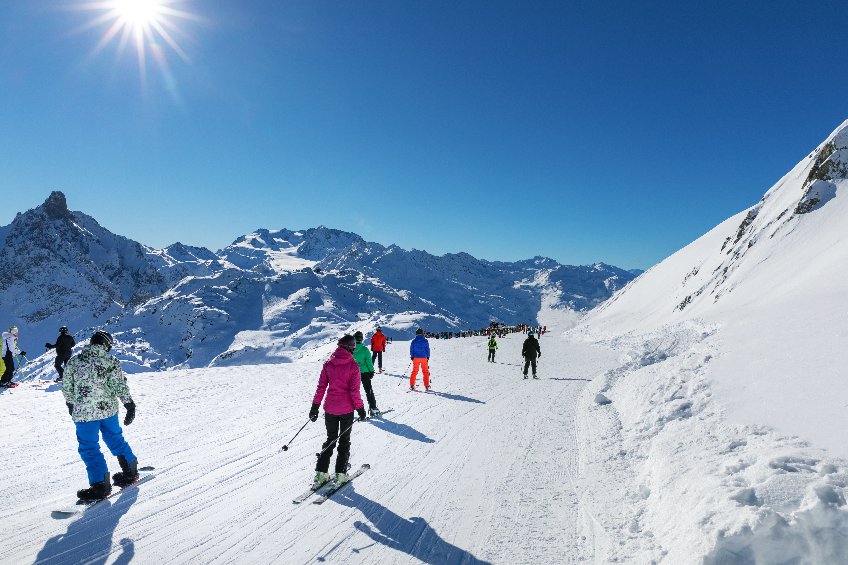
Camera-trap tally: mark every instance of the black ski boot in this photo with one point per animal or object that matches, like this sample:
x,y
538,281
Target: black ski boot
x,y
97,491
128,474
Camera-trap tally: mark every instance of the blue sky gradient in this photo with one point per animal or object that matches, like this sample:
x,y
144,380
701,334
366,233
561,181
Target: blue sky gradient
x,y
582,131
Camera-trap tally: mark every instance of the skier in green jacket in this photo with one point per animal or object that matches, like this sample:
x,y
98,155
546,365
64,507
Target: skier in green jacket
x,y
493,346
366,370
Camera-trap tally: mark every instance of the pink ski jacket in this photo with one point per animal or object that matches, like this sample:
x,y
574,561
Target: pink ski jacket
x,y
340,379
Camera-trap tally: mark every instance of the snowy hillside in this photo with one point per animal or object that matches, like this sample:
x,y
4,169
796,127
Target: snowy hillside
x,y
266,298
731,404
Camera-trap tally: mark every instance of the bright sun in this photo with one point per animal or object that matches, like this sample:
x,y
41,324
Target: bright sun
x,y
138,13
144,23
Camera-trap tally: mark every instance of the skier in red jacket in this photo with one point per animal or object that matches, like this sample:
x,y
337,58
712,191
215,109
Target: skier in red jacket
x,y
378,346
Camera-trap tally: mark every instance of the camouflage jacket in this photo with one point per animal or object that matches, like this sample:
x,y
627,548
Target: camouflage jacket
x,y
93,383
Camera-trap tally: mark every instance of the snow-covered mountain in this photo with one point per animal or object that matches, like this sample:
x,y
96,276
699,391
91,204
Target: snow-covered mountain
x,y
63,268
286,291
731,405
264,298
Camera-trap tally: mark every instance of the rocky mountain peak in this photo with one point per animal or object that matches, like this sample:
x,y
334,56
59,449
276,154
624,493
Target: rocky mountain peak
x,y
56,206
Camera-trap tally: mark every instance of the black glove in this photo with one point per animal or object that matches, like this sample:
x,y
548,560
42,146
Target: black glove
x,y
362,416
23,353
70,408
313,412
411,358
128,419
48,345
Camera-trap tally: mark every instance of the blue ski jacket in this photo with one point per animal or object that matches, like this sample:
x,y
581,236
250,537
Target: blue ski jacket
x,y
419,348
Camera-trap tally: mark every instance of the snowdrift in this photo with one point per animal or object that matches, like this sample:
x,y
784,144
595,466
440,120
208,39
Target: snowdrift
x,y
727,420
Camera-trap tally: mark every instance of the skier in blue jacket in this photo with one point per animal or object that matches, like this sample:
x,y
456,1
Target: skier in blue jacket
x,y
419,353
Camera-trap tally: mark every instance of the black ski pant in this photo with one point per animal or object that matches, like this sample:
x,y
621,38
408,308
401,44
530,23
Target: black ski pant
x,y
10,368
378,355
369,391
60,363
529,361
335,425
492,355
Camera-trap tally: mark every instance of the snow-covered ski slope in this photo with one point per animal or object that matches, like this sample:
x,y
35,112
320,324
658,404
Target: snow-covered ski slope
x,y
733,407
482,469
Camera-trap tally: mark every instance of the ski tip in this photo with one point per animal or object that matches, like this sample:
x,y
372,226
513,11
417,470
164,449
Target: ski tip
x,y
147,468
366,466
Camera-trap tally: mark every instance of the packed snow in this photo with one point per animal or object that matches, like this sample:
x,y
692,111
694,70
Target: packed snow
x,y
482,469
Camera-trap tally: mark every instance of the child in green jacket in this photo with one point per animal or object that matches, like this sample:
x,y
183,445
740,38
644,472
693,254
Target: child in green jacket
x,y
366,370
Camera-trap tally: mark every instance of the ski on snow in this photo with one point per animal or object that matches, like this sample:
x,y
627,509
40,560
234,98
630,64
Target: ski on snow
x,y
336,487
144,475
326,490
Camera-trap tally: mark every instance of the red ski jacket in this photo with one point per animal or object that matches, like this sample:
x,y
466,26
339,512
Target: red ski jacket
x,y
378,341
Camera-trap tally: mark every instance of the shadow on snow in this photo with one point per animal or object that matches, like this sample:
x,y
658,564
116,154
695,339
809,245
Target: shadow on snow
x,y
401,430
454,396
89,537
413,536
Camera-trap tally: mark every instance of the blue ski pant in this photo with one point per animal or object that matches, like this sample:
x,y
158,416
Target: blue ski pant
x,y
88,438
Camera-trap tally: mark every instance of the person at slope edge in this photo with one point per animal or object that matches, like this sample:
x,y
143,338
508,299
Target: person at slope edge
x,y
493,346
378,346
530,350
64,347
419,353
10,349
366,370
341,381
92,386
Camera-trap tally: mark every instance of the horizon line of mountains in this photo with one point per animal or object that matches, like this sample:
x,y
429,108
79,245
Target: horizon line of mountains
x,y
265,297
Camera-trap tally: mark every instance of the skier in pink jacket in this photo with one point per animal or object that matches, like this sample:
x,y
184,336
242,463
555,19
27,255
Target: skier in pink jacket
x,y
340,379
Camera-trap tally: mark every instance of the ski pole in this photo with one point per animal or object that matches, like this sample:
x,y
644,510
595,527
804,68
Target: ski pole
x,y
21,365
405,372
355,420
286,446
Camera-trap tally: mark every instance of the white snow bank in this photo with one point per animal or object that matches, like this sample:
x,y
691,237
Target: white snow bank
x,y
668,478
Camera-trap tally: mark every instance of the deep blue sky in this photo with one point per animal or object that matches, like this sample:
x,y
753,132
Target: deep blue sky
x,y
583,131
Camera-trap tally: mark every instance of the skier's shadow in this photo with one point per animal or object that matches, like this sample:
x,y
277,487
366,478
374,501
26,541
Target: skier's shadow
x,y
401,430
89,537
413,536
456,397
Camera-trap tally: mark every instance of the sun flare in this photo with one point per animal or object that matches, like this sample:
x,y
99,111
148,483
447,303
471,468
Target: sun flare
x,y
138,13
147,25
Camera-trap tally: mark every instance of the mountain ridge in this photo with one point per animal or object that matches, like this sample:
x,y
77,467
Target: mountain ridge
x,y
265,296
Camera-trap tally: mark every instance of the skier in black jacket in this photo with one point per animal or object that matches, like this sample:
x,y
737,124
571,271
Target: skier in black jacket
x,y
64,347
530,350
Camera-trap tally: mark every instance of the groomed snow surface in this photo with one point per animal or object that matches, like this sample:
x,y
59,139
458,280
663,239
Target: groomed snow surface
x,y
488,468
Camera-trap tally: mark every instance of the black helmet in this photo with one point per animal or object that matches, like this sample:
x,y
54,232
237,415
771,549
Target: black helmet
x,y
419,331
348,342
379,328
359,337
63,330
102,338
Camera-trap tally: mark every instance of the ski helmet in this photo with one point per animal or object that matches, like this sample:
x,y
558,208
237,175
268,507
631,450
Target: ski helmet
x,y
102,338
379,328
359,337
419,331
14,331
530,332
63,330
347,342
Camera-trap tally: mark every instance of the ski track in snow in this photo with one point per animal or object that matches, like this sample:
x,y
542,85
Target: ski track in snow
x,y
479,471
